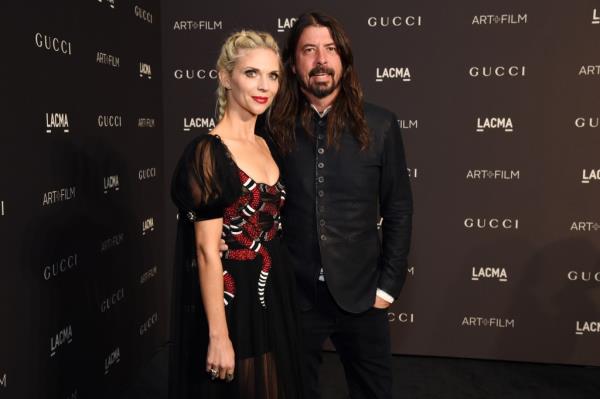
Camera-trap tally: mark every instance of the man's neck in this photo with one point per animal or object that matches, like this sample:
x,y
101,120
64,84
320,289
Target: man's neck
x,y
321,104
321,113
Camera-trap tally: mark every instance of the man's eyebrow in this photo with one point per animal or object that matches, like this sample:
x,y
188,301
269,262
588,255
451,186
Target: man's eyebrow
x,y
314,45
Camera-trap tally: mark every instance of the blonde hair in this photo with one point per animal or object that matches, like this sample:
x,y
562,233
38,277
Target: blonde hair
x,y
230,52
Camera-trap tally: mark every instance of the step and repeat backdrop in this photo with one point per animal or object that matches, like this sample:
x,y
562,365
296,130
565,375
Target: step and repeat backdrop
x,y
499,109
500,113
81,199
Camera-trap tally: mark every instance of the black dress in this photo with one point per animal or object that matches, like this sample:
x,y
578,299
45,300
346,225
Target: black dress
x,y
259,289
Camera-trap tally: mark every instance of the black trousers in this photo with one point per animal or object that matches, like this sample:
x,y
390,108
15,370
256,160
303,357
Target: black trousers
x,y
361,340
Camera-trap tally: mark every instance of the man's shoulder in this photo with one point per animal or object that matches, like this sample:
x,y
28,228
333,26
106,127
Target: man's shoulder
x,y
377,116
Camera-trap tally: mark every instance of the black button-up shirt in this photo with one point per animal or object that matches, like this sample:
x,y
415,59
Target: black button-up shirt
x,y
331,211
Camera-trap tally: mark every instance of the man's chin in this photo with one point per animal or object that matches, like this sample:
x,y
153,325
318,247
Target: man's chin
x,y
321,91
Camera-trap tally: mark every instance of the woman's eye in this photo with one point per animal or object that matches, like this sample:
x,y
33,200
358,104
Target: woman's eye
x,y
274,76
250,73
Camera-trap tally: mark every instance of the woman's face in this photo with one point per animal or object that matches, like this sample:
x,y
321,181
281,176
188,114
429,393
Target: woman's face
x,y
253,82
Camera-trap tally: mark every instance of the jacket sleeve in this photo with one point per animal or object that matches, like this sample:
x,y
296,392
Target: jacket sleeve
x,y
396,208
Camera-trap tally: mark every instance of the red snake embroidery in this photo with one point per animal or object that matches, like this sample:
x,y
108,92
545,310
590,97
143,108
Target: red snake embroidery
x,y
241,221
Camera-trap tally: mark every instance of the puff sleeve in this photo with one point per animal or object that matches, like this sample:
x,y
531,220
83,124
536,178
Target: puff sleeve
x,y
205,180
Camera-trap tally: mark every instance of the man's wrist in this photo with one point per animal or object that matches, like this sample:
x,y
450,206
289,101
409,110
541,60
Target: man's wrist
x,y
384,295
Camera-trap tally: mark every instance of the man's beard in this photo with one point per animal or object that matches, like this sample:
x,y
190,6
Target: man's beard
x,y
320,90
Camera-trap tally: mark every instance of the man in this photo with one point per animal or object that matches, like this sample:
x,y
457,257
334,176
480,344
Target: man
x,y
342,163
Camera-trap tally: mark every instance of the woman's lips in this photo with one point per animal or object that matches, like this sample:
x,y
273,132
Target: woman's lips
x,y
260,100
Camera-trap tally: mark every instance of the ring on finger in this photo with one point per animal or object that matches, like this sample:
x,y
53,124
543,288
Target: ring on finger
x,y
214,373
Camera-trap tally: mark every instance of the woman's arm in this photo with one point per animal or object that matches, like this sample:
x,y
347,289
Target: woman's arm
x,y
220,355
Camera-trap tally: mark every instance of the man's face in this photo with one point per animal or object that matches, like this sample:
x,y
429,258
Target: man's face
x,y
318,66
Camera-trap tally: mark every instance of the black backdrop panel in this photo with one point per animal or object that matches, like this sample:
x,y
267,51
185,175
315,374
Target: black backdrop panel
x,y
81,202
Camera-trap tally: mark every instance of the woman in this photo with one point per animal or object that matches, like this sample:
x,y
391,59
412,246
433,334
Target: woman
x,y
235,317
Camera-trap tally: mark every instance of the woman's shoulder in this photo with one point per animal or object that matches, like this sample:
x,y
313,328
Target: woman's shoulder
x,y
207,153
204,176
207,145
206,139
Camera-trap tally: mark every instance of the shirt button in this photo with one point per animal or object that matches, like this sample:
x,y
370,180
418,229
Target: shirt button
x,y
322,222
320,136
321,193
320,179
320,165
323,237
321,150
321,122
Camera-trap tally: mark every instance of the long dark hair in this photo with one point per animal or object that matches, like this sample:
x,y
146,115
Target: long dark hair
x,y
347,109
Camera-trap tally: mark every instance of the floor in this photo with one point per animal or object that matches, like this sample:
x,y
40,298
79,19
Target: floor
x,y
429,377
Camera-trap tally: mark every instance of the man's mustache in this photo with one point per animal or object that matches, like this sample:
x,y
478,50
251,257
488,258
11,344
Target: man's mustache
x,y
319,70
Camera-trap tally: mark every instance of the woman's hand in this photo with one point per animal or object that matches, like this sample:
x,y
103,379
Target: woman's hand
x,y
220,357
222,247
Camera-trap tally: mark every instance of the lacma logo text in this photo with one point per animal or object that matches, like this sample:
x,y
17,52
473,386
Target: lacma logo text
x,y
113,358
503,123
496,273
402,73
284,24
587,327
198,123
57,120
590,175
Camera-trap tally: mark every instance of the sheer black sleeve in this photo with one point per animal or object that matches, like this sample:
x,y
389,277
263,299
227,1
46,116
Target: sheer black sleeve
x,y
205,180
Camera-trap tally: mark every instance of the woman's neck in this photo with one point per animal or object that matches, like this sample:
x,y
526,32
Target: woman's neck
x,y
238,127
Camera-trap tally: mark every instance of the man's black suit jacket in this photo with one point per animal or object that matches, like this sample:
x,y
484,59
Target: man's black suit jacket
x,y
331,211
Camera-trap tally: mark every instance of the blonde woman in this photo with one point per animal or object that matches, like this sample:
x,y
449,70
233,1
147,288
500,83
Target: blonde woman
x,y
235,316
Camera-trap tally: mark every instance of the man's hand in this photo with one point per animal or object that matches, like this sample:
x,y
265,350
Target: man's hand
x,y
381,303
222,247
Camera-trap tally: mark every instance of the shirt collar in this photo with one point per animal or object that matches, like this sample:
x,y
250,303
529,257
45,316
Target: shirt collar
x,y
321,114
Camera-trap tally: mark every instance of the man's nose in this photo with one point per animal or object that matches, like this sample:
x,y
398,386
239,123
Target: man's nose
x,y
321,57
